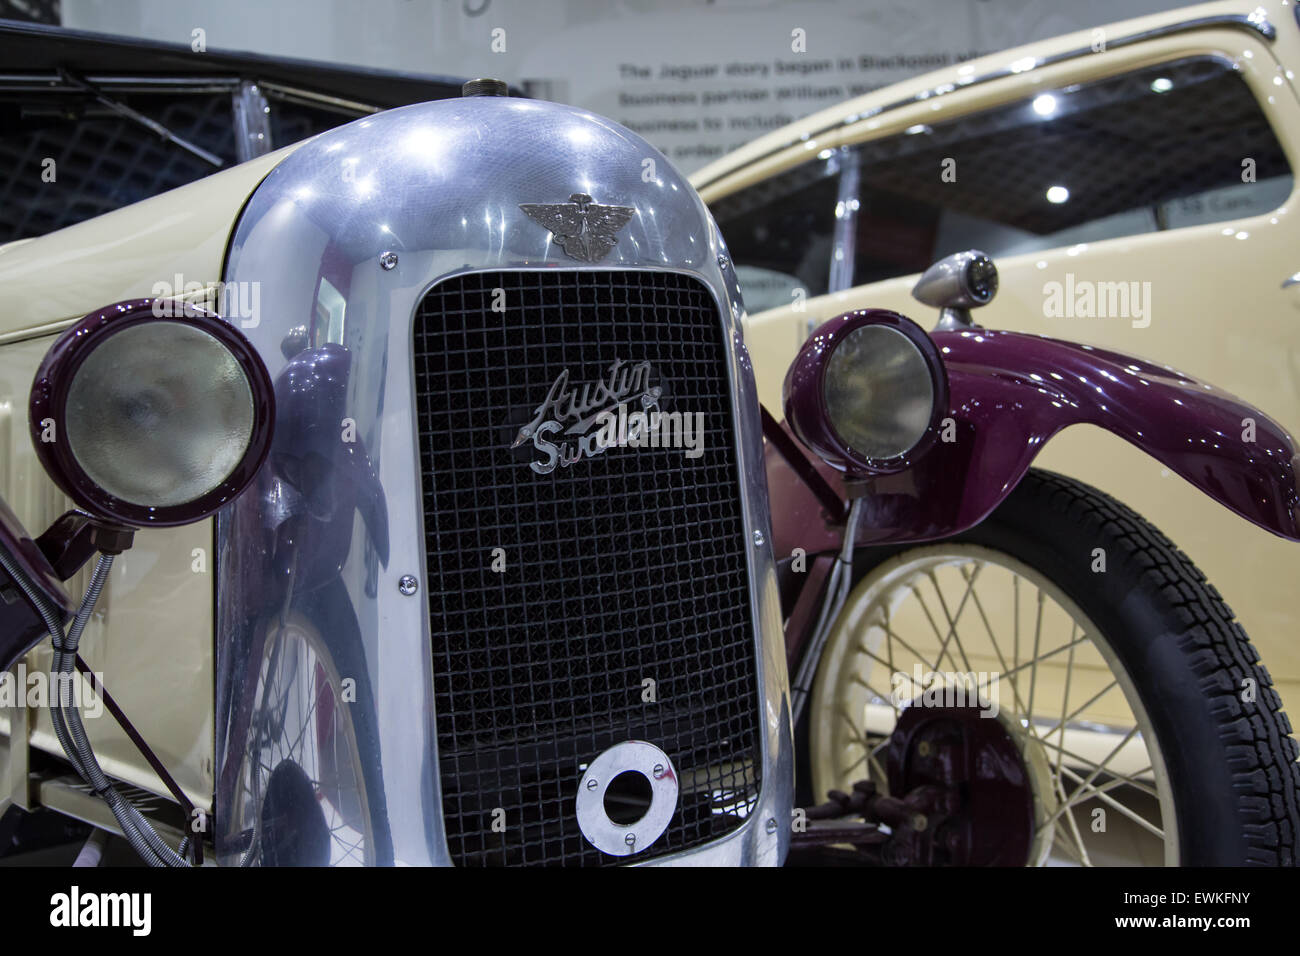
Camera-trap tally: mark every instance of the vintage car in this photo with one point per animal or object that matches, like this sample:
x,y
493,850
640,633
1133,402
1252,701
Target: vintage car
x,y
1134,185
404,496
440,614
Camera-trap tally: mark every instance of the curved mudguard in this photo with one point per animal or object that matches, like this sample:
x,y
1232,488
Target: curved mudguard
x,y
1009,393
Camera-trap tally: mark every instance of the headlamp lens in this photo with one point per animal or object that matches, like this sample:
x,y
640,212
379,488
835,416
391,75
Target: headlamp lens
x,y
159,414
879,392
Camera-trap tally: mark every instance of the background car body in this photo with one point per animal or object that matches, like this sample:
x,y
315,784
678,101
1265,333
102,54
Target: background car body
x,y
1211,251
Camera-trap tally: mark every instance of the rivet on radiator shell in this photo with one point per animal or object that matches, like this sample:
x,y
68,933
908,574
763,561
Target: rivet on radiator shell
x,y
771,824
407,584
758,538
388,261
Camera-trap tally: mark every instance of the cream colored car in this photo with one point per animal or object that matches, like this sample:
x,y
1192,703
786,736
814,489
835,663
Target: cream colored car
x,y
1135,186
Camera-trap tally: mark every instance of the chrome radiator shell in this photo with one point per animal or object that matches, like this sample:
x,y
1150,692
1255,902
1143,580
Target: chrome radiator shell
x,y
356,226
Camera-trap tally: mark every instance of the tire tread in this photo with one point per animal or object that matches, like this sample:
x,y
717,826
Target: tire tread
x,y
1256,737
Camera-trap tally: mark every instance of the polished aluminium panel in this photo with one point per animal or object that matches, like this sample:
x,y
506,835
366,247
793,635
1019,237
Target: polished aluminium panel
x,y
346,236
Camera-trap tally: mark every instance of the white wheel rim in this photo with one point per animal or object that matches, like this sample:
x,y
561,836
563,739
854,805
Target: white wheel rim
x,y
1055,666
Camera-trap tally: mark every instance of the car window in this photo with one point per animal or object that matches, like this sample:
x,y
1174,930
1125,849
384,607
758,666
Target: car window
x,y
1157,148
1177,144
780,234
292,120
768,288
74,159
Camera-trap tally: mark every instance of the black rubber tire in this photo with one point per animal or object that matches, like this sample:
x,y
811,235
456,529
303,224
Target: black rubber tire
x,y
1232,765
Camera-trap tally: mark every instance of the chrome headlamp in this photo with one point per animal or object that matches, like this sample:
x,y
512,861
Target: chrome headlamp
x,y
867,392
151,413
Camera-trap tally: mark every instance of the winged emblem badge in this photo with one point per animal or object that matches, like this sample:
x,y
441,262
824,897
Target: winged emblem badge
x,y
583,227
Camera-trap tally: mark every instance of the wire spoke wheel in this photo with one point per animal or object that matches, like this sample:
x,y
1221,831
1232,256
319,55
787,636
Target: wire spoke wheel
x,y
1148,732
301,798
962,622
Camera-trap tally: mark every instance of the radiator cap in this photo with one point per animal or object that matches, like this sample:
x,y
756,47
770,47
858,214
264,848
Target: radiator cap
x,y
485,86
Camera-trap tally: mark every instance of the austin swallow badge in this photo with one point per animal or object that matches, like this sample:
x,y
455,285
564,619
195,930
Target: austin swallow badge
x,y
583,227
588,419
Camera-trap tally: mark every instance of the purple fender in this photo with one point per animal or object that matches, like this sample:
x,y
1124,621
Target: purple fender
x,y
1010,392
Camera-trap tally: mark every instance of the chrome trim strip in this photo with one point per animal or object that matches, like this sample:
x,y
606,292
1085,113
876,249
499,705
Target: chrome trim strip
x,y
252,122
1256,22
205,298
307,97
847,161
1087,726
38,331
440,185
53,83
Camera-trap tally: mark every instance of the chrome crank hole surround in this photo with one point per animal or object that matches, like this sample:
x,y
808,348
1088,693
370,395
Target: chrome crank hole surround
x,y
626,839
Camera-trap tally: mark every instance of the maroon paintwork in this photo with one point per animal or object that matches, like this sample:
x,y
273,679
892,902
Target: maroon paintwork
x,y
49,397
21,626
1009,393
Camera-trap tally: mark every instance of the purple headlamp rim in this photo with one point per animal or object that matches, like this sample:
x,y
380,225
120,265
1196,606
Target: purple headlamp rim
x,y
49,396
805,392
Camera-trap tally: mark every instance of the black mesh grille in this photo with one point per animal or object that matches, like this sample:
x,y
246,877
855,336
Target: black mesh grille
x,y
623,568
